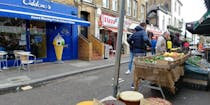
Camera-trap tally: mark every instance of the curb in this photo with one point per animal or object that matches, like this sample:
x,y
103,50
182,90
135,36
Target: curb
x,y
53,77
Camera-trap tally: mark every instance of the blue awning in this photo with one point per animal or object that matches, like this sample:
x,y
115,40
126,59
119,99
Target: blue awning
x,y
24,12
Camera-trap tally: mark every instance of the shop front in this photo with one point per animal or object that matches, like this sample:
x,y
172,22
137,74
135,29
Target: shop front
x,y
108,30
153,31
31,25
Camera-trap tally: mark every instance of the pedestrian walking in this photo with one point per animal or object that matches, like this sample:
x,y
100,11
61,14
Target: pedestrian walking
x,y
138,42
161,45
153,43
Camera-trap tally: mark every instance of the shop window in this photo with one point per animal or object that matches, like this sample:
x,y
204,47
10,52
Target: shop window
x,y
84,30
38,39
12,35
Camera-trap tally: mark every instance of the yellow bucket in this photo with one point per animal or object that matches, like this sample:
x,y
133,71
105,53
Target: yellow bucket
x,y
86,103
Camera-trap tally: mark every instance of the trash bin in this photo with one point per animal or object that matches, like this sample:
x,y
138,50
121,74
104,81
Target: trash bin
x,y
106,51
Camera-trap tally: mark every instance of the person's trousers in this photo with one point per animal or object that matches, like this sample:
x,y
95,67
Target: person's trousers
x,y
153,51
131,61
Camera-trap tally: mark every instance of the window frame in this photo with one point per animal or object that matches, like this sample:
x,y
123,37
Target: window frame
x,y
135,8
142,12
114,5
175,4
89,1
128,7
179,10
106,5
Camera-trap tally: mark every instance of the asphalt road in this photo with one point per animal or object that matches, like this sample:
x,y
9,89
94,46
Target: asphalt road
x,y
86,86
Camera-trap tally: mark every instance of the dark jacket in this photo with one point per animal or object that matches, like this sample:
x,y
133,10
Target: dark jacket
x,y
139,40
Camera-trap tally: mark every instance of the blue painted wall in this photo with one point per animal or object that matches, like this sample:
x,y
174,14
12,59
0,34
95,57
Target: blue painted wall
x,y
69,33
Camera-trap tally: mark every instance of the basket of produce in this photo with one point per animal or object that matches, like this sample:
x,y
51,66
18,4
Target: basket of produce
x,y
163,70
154,61
197,72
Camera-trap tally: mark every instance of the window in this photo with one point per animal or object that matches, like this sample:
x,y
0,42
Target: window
x,y
89,1
106,3
142,12
174,21
175,7
83,29
163,23
169,20
154,2
179,10
12,35
114,5
128,8
134,8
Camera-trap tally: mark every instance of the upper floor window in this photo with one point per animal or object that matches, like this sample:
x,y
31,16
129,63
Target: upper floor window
x,y
128,7
89,1
106,3
134,8
154,1
169,20
163,23
114,5
179,10
175,7
142,12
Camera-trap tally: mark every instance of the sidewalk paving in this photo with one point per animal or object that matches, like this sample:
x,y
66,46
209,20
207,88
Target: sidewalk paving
x,y
11,78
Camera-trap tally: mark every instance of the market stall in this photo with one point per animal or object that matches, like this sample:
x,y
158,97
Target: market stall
x,y
162,70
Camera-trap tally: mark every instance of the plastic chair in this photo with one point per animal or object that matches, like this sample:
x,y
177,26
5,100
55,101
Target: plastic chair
x,y
17,57
3,59
25,60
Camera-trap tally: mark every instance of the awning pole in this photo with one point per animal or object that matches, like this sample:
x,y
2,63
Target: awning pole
x,y
119,47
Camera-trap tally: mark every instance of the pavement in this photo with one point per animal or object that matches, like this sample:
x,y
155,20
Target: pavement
x,y
12,78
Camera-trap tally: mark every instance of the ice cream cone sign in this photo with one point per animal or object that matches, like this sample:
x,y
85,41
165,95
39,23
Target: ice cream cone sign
x,y
58,43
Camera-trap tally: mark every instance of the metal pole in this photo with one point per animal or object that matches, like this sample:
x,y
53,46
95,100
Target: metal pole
x,y
118,48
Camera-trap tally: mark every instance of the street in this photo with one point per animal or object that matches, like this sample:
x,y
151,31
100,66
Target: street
x,y
95,84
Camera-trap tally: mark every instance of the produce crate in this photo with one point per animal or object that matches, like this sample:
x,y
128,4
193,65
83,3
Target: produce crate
x,y
195,77
161,72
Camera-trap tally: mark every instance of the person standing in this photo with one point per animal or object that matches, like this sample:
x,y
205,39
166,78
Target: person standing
x,y
138,42
161,45
169,45
153,43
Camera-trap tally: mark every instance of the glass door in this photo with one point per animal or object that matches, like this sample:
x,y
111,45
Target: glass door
x,y
38,39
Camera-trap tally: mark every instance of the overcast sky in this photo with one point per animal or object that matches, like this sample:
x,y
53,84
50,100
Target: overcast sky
x,y
193,10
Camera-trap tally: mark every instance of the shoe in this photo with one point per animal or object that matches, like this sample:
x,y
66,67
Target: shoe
x,y
128,72
132,86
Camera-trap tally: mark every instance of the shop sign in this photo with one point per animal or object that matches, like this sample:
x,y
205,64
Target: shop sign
x,y
128,22
51,19
36,3
109,21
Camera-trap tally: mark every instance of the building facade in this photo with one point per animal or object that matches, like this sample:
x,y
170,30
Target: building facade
x,y
32,26
108,11
104,14
166,15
